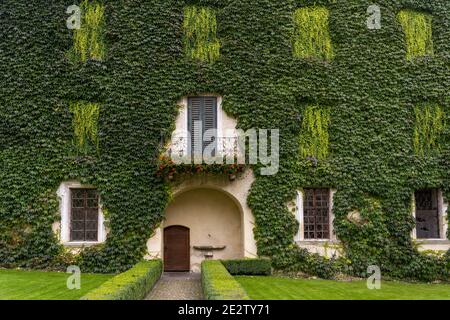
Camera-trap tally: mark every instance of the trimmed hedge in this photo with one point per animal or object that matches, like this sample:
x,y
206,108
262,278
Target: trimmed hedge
x,y
218,284
248,266
133,284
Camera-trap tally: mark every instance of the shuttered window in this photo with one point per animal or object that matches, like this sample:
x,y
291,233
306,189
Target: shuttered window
x,y
427,214
316,214
202,116
84,215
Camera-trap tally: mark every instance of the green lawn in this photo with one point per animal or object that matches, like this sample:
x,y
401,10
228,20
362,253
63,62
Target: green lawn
x,y
277,288
40,285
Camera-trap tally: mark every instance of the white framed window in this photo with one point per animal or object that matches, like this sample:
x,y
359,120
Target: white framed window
x,y
315,214
430,214
82,219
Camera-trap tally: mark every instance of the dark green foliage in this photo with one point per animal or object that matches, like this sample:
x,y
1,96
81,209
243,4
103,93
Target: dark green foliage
x,y
133,284
314,264
218,284
369,86
248,266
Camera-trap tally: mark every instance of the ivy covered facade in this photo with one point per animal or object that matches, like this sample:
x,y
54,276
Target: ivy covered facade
x,y
363,115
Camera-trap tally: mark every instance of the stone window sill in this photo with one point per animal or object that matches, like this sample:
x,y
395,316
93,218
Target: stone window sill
x,y
432,241
317,242
81,243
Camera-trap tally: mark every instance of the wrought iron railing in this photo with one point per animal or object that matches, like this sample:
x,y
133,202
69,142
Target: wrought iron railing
x,y
185,147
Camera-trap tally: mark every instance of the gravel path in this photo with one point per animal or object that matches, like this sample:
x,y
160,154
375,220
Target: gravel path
x,y
177,286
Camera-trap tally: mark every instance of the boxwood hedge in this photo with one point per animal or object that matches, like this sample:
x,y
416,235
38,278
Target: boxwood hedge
x,y
133,284
248,266
218,284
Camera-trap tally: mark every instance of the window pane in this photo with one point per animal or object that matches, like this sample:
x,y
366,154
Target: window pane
x,y
427,214
76,236
77,203
92,203
84,215
316,214
91,235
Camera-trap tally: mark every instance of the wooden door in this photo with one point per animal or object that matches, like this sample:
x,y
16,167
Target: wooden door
x,y
176,249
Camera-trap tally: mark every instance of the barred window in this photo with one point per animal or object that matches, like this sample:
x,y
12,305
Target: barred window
x,y
427,214
84,215
316,214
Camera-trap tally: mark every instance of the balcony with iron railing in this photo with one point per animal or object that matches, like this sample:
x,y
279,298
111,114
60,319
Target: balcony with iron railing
x,y
221,155
219,148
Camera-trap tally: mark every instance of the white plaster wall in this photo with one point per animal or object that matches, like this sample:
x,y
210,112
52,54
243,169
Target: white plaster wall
x,y
324,248
433,245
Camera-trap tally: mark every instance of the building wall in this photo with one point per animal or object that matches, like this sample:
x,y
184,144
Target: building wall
x,y
215,209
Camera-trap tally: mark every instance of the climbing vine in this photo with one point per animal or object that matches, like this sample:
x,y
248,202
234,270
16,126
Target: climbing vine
x,y
429,125
417,27
369,88
200,34
314,139
88,40
85,125
311,35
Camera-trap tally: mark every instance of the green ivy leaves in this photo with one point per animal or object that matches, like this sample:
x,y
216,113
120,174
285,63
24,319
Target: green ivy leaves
x,y
88,42
428,127
367,87
311,35
200,34
85,125
314,136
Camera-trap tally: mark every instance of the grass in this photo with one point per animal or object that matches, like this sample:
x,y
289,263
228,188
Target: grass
x,y
278,288
41,285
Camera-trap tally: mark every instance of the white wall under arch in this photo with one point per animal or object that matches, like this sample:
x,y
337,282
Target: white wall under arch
x,y
236,190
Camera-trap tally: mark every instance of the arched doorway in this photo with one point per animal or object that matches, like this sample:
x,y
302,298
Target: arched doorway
x,y
176,249
216,212
213,221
